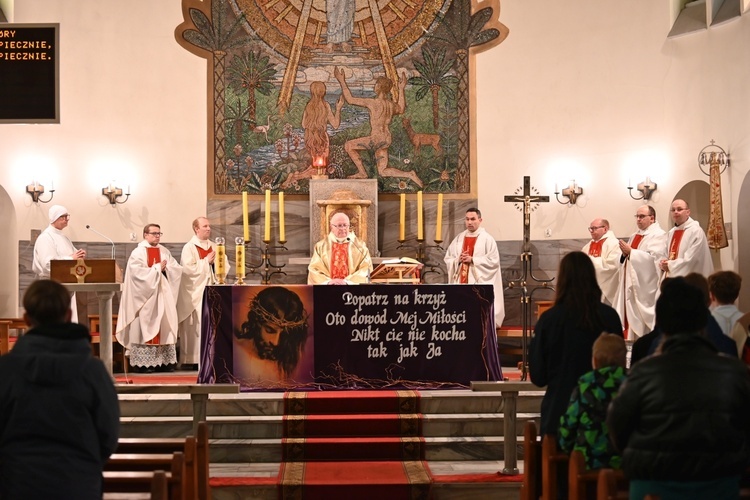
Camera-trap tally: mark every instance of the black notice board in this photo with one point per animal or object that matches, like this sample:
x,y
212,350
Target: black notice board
x,y
29,73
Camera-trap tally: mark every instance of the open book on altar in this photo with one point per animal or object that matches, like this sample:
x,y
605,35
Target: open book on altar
x,y
401,270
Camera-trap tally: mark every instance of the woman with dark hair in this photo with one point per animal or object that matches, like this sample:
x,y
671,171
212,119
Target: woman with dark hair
x,y
561,349
274,335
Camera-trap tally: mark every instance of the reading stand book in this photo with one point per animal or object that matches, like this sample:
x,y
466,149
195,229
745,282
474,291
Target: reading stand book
x,y
403,270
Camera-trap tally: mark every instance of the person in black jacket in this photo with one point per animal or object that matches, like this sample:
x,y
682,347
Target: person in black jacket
x,y
59,414
561,349
682,417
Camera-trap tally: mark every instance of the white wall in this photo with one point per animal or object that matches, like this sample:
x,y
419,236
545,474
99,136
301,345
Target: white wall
x,y
586,90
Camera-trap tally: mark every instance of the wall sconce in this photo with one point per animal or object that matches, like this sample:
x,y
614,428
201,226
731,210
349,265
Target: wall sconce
x,y
646,188
36,190
112,193
573,191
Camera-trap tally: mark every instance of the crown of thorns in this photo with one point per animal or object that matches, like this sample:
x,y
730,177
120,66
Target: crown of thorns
x,y
270,318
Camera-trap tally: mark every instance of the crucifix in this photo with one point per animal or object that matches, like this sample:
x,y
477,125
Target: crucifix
x,y
527,273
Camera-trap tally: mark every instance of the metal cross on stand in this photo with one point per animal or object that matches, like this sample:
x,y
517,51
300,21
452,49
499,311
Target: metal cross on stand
x,y
526,268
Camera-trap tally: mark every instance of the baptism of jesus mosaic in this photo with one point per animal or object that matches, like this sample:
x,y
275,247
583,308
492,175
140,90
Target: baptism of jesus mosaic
x,y
343,89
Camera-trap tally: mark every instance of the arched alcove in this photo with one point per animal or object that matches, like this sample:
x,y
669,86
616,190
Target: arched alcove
x,y
8,259
742,220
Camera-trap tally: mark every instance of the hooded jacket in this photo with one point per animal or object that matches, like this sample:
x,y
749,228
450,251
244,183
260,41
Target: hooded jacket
x,y
59,416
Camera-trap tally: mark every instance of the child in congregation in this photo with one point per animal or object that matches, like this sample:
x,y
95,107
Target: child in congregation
x,y
583,426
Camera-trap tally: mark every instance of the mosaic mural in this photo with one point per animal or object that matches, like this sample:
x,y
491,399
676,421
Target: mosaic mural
x,y
340,88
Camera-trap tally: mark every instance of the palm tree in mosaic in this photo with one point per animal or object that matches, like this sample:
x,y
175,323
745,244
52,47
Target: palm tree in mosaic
x,y
433,77
217,35
459,30
251,72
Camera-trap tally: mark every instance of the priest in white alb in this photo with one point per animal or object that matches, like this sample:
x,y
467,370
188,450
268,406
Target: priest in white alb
x,y
687,246
147,321
604,251
635,300
472,257
340,258
197,261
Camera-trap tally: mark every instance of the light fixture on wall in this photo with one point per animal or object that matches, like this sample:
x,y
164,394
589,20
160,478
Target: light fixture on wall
x,y
646,188
112,192
36,190
573,191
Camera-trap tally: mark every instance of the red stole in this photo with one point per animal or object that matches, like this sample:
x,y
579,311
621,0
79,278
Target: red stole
x,y
202,253
339,260
595,248
469,243
636,240
153,256
674,245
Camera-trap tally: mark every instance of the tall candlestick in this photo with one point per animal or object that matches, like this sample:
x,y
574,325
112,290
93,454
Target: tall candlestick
x,y
402,219
420,222
439,224
245,225
267,229
282,232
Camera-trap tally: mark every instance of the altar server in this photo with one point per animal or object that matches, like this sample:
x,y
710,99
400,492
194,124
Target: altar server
x,y
604,251
687,247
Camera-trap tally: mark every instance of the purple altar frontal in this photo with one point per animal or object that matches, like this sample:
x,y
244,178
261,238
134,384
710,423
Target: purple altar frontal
x,y
330,337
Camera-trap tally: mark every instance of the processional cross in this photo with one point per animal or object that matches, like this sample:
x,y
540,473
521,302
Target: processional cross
x,y
526,268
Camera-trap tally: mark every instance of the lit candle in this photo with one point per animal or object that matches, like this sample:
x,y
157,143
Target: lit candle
x,y
245,225
282,232
402,219
267,228
439,224
420,222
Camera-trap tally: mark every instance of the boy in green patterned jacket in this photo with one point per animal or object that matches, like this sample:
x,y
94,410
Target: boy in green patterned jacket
x,y
583,426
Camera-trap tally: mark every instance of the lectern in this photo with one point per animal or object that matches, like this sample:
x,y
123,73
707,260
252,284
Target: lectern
x,y
403,270
100,276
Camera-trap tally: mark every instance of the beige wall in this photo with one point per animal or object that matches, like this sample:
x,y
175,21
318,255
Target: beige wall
x,y
586,90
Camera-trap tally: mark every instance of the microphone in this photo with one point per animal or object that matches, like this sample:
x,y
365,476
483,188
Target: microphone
x,y
105,237
362,253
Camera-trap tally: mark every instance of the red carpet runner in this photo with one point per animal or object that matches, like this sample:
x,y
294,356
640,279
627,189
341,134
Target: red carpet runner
x,y
353,444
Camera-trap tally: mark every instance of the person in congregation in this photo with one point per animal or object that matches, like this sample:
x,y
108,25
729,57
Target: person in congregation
x,y
687,247
604,251
472,257
52,244
638,284
651,342
583,427
147,321
561,348
59,413
197,261
340,258
724,289
682,418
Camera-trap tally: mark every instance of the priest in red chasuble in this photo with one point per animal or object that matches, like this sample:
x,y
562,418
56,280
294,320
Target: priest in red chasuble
x,y
635,300
687,246
197,261
341,258
604,251
472,257
147,321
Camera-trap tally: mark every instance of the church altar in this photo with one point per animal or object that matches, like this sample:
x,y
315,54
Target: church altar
x,y
358,336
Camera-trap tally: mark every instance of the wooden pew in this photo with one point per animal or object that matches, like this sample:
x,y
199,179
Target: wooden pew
x,y
7,341
580,479
160,446
532,450
150,462
554,462
159,483
159,490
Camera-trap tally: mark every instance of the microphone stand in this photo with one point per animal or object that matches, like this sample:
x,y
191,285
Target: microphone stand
x,y
361,253
105,237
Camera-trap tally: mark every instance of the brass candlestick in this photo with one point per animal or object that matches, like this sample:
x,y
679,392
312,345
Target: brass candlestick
x,y
264,267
